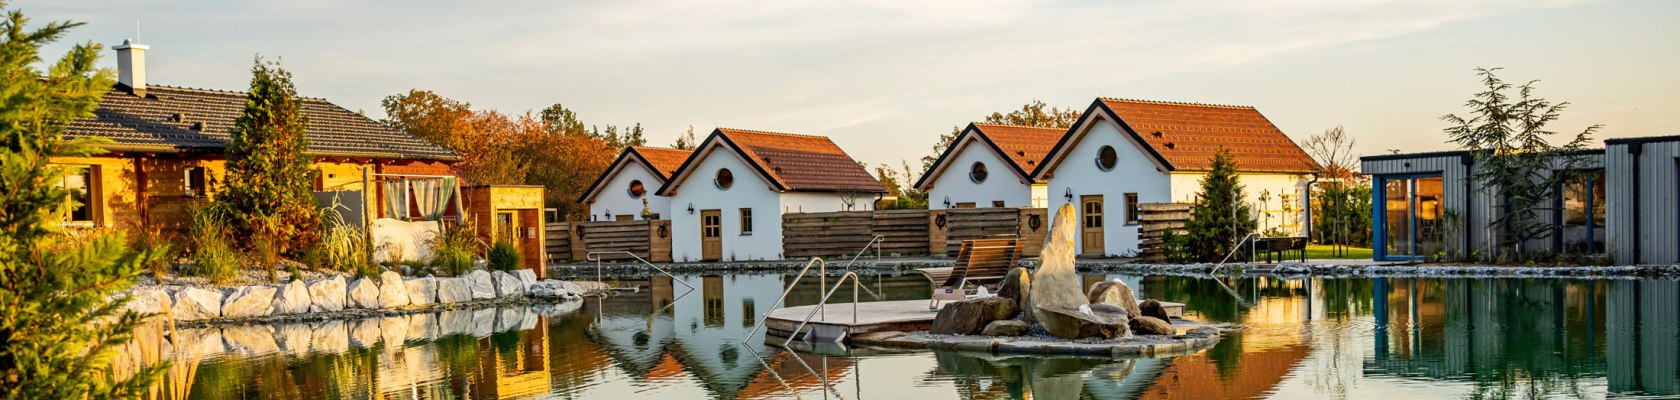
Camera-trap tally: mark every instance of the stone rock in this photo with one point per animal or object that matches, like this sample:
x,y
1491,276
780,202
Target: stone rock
x,y
507,285
1152,308
526,275
293,298
1146,325
1018,286
1114,292
327,295
421,291
549,289
197,304
1056,286
969,317
572,287
249,301
364,293
1006,327
1082,322
392,292
453,290
149,301
483,286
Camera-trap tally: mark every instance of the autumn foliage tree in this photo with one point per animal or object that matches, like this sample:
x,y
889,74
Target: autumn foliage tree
x,y
269,178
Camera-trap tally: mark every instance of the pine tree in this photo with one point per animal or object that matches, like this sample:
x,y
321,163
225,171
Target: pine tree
x,y
57,330
268,172
1220,217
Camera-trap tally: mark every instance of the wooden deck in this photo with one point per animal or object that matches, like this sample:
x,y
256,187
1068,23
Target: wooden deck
x,y
836,324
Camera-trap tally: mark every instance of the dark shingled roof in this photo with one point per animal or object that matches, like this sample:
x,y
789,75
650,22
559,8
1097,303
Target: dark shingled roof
x,y
175,119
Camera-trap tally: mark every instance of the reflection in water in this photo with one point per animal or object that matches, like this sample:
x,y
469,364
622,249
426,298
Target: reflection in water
x,y
1301,338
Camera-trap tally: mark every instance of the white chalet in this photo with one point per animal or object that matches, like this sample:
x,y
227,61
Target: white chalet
x,y
990,165
625,191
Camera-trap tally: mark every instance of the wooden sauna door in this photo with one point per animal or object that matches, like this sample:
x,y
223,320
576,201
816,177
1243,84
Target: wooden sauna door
x,y
1091,224
711,235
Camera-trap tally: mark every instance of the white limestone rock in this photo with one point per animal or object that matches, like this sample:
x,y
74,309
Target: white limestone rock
x,y
193,304
293,298
392,292
454,290
364,293
327,295
149,301
526,275
483,286
507,285
421,291
249,301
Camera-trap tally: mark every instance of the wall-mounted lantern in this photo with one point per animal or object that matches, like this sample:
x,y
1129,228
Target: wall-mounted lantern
x,y
691,208
1068,195
947,201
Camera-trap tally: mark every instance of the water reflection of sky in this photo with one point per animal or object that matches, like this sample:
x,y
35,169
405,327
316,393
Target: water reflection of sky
x,y
1303,338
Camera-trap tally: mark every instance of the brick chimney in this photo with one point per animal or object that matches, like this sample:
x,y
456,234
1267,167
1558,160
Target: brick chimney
x,y
131,65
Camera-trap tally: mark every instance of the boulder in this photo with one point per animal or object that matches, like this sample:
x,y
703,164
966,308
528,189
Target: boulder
x,y
293,298
483,286
249,301
1114,292
526,275
149,301
363,293
507,285
1006,327
549,289
1152,308
969,317
1018,286
1146,325
392,292
453,290
421,291
1081,322
1056,286
196,304
327,295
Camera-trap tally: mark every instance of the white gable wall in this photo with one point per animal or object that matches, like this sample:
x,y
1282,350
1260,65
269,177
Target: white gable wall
x,y
615,198
1135,172
750,191
1272,213
1001,182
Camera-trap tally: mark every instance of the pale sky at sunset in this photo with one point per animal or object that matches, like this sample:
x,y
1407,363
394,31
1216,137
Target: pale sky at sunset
x,y
885,78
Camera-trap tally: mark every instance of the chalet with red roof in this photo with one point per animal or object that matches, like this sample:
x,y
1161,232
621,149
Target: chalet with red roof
x,y
626,191
1122,153
728,197
990,165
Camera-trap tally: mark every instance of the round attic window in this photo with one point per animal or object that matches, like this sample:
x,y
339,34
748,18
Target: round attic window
x,y
977,172
1107,157
724,179
636,189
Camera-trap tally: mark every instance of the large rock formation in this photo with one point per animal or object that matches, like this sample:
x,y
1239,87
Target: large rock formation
x,y
1018,286
1114,292
969,317
327,295
293,298
1056,287
1152,308
249,301
1103,321
392,292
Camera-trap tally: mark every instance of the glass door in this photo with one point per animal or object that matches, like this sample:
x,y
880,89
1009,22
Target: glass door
x,y
1413,220
1397,218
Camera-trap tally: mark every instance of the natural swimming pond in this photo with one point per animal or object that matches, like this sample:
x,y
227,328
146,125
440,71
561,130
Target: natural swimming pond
x,y
1301,338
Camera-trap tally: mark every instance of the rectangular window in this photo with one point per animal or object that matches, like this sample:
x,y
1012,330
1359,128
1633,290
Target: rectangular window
x,y
746,221
965,205
1580,228
997,203
79,182
1132,209
193,184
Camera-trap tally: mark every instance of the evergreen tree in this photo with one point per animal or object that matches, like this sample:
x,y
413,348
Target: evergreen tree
x,y
1220,217
57,330
269,178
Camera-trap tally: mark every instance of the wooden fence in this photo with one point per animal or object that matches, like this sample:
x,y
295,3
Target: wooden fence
x,y
908,232
1157,219
648,239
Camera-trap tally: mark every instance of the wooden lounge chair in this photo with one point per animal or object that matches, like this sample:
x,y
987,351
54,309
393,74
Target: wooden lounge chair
x,y
979,262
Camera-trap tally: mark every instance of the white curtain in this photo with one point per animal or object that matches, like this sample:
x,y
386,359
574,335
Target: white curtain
x,y
396,199
432,196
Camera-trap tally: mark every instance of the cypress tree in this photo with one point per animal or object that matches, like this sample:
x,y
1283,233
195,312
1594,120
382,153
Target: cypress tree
x,y
268,193
57,329
1220,217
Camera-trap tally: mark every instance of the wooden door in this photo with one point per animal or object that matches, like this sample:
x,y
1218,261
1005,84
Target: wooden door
x,y
507,226
1091,224
711,235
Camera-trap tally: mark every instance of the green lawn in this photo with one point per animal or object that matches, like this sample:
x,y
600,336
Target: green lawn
x,y
1324,251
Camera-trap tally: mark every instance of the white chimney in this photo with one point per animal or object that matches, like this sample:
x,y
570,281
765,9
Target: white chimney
x,y
131,65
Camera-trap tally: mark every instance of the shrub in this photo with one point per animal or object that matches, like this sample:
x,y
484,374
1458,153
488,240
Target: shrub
x,y
213,255
504,256
345,247
453,251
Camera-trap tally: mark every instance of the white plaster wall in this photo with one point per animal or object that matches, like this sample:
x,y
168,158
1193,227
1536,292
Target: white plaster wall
x,y
796,202
1135,172
1186,184
750,191
615,196
1001,182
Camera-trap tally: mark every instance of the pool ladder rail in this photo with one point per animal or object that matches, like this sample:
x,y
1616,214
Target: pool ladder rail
x,y
601,277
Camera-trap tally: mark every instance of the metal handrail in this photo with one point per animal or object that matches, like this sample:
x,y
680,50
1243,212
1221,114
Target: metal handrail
x,y
1238,246
854,277
822,267
875,241
599,277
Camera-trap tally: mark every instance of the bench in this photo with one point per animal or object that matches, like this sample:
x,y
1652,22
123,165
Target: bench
x,y
980,262
1281,247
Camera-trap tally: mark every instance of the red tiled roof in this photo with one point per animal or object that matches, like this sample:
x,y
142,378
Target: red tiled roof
x,y
1025,145
802,162
1186,135
665,161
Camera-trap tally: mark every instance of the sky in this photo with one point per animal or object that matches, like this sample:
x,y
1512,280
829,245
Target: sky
x,y
885,78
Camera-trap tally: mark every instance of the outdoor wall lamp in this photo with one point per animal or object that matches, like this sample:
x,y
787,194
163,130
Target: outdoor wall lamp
x,y
1068,195
609,214
947,201
690,208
